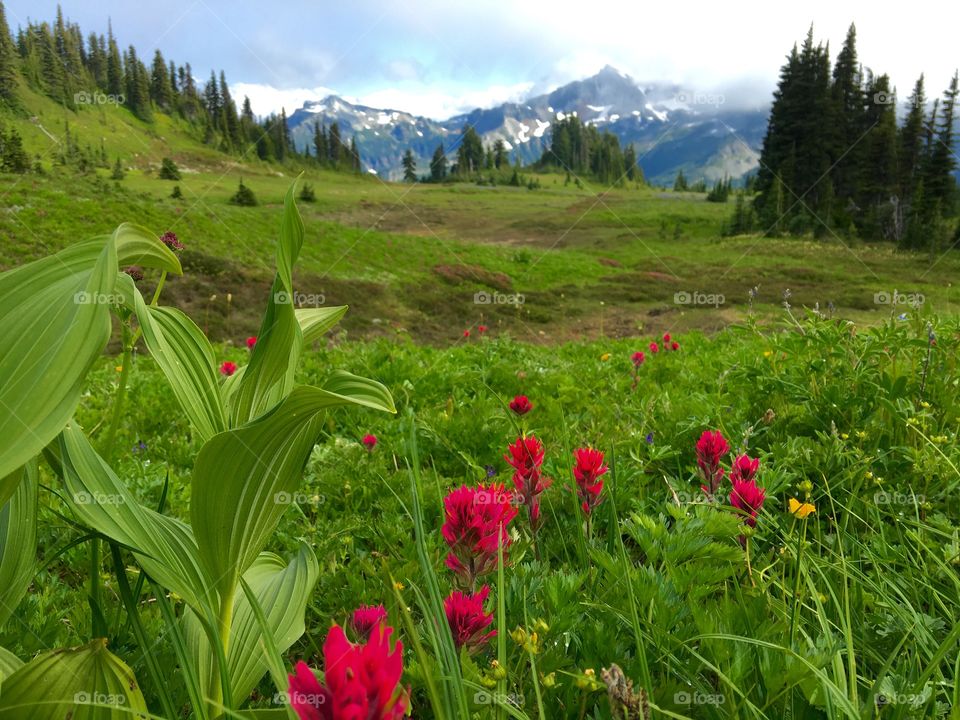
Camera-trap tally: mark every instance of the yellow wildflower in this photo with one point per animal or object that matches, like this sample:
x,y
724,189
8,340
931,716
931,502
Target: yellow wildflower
x,y
801,510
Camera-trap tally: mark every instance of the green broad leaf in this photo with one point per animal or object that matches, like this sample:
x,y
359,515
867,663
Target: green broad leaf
x,y
164,546
54,323
243,479
9,484
18,542
186,358
82,683
282,591
9,664
316,322
269,376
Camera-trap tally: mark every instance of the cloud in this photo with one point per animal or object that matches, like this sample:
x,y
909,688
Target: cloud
x,y
434,104
265,99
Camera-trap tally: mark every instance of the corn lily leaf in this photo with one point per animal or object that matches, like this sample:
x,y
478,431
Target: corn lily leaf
x,y
18,541
82,683
282,591
54,323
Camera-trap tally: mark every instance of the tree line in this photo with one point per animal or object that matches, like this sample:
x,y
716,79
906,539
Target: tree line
x,y
58,61
836,158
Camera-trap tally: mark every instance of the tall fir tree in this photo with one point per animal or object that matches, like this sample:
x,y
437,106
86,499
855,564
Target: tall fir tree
x,y
409,166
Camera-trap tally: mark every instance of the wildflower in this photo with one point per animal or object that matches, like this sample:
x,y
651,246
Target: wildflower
x,y
801,509
521,405
649,438
360,681
134,271
366,619
604,357
397,585
475,525
666,339
490,470
674,345
251,342
369,441
140,447
654,348
526,457
767,353
228,368
466,333
637,358
744,468
587,471
481,329
748,498
170,240
710,448
467,619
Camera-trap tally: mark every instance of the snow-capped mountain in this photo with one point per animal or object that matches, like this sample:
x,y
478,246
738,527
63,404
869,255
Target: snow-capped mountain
x,y
670,127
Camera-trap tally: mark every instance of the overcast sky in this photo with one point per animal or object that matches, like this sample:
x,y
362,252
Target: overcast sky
x,y
437,57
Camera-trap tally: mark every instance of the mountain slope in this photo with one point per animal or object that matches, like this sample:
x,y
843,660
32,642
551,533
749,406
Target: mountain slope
x,y
670,128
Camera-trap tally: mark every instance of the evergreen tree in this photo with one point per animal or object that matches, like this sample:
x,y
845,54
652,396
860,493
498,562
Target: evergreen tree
x,y
470,153
438,165
910,168
161,91
877,186
320,147
409,167
114,65
500,157
680,183
334,144
8,62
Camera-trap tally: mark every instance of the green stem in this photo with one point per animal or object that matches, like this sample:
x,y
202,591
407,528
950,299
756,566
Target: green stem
x,y
796,584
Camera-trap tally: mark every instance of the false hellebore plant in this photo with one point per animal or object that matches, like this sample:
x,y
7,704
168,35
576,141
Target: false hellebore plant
x,y
241,605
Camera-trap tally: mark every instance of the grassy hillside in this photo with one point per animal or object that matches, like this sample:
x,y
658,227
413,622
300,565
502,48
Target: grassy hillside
x,y
409,258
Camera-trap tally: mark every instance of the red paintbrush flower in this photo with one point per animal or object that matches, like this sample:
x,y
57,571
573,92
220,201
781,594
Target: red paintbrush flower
x,y
466,333
666,339
654,348
475,524
711,447
521,405
744,468
251,341
467,619
361,682
228,368
526,457
369,441
674,345
587,471
134,271
170,240
366,618
481,329
637,358
748,498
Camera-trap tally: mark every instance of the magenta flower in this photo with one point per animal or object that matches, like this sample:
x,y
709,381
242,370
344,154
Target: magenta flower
x,y
366,619
587,471
711,447
526,457
467,619
747,497
475,526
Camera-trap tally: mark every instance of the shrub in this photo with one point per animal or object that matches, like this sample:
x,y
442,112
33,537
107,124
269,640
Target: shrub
x,y
244,196
169,170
